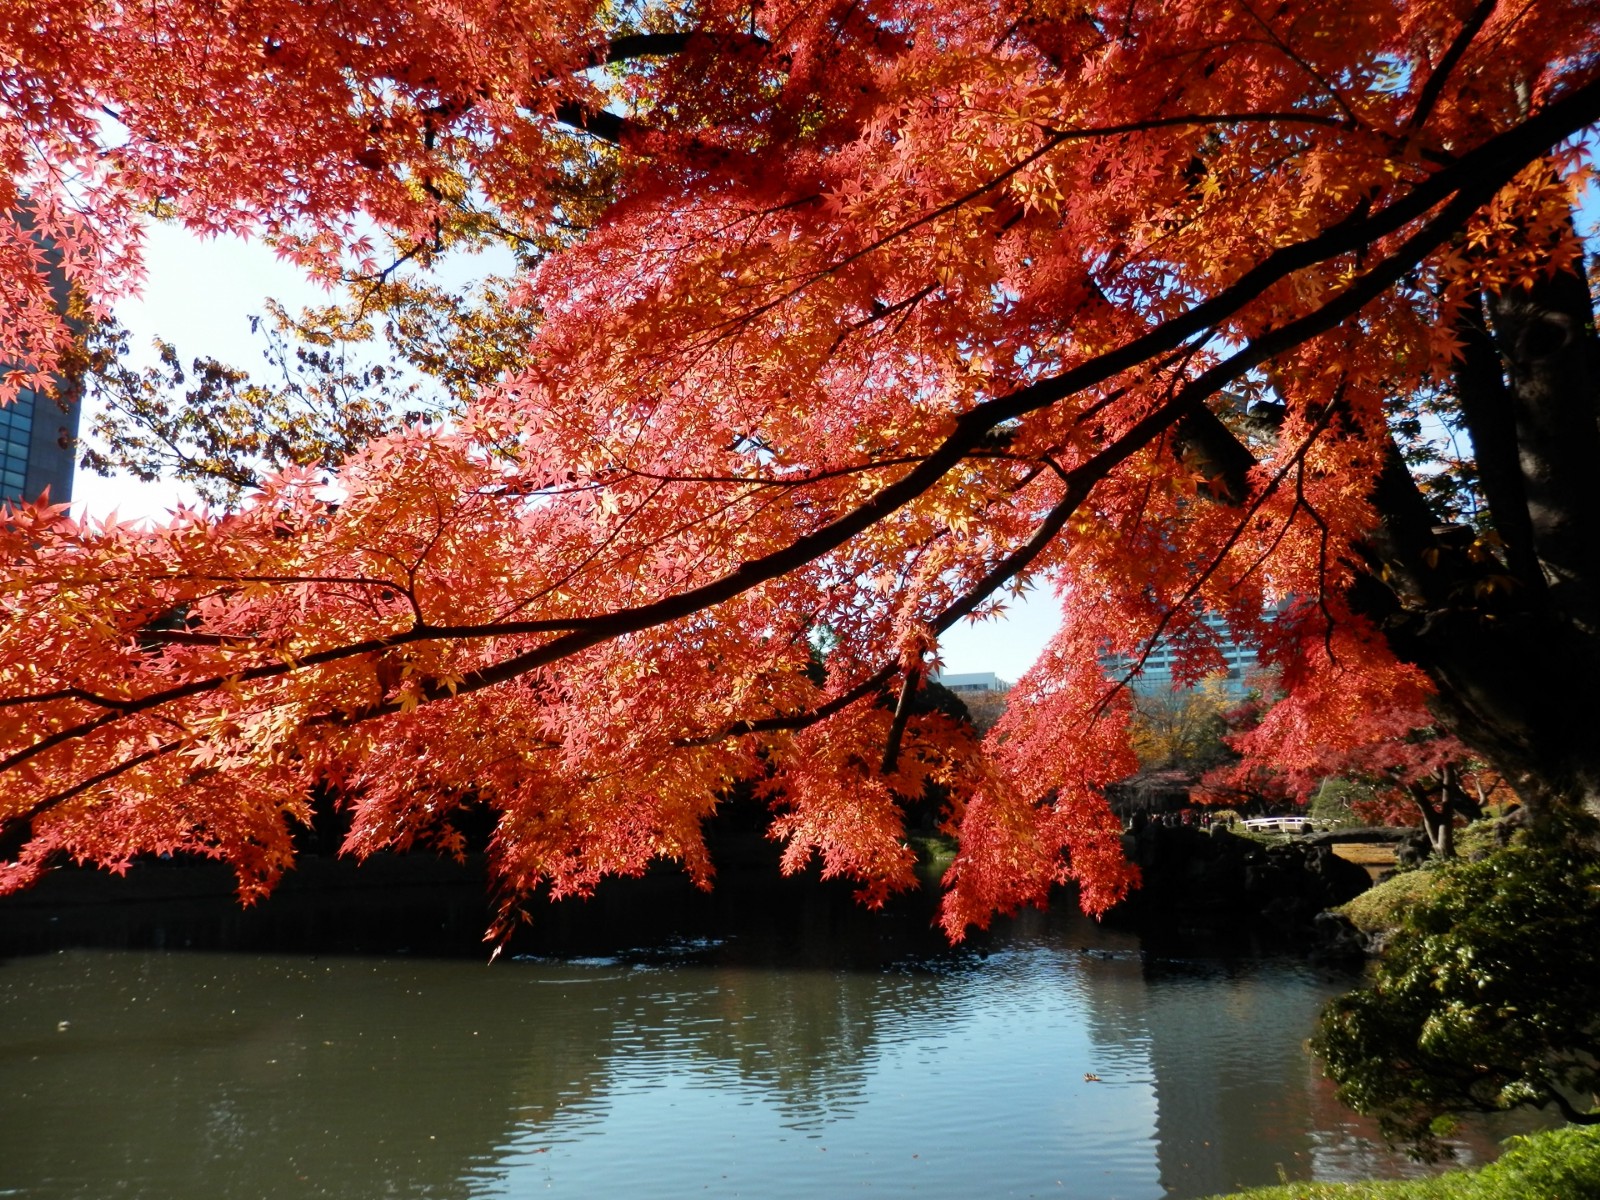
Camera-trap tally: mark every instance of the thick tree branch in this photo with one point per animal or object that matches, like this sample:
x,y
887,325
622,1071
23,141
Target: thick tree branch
x,y
801,720
1433,88
1546,333
664,45
1208,447
1570,1111
902,715
1486,410
613,128
1455,192
40,807
607,126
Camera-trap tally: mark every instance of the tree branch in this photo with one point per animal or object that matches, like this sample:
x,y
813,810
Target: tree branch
x,y
1451,194
607,126
663,45
1440,75
897,727
1486,410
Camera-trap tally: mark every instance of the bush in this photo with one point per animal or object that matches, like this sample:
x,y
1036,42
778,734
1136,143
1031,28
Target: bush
x,y
1485,999
1384,906
1562,1164
1479,839
935,853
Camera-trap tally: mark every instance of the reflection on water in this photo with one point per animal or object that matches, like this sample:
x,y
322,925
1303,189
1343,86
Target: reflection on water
x,y
681,1070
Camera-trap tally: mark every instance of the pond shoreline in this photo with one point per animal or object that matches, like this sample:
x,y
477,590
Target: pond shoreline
x,y
420,904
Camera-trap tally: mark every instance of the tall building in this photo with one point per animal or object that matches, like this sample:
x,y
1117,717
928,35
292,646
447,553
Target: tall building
x,y
1155,677
37,438
38,433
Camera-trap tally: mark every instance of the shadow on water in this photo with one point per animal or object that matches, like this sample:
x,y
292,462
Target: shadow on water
x,y
418,905
422,906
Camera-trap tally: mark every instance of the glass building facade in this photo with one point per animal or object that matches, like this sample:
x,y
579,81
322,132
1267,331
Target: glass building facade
x,y
36,447
38,433
1155,678
16,431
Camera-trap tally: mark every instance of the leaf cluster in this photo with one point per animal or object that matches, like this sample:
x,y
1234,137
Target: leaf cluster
x,y
218,428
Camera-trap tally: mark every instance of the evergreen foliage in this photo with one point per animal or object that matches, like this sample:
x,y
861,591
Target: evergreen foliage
x,y
1486,997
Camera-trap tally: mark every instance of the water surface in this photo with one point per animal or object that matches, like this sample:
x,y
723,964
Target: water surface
x,y
1069,1061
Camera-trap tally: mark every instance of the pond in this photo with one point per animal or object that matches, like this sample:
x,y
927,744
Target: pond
x,y
1059,1058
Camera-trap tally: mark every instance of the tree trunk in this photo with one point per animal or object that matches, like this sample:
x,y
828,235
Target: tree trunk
x,y
1508,628
1514,643
1438,822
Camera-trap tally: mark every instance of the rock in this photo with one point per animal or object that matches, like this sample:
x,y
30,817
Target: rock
x,y
1335,937
1340,879
1288,914
1413,850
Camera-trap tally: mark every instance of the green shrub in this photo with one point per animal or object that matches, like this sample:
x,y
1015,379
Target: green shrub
x,y
1562,1164
935,853
1478,839
1384,906
1486,998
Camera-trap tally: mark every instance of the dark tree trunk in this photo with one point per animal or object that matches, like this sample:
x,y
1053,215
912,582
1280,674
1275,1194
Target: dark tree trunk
x,y
1513,642
1439,818
1510,634
1437,825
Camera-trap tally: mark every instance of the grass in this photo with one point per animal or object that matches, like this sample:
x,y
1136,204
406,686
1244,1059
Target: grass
x,y
1365,854
1383,905
1560,1164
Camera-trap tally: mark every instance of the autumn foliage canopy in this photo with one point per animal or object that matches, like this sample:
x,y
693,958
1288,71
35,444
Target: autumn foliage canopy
x,y
832,325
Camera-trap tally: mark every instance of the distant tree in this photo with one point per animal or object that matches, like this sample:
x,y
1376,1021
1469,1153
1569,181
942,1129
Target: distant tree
x,y
986,708
1182,728
1403,768
1340,802
220,428
1439,797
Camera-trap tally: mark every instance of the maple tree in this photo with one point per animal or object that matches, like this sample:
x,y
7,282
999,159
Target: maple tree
x,y
1411,771
831,323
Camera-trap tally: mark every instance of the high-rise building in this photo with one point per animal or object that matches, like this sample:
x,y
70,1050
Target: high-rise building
x,y
1155,677
37,437
38,432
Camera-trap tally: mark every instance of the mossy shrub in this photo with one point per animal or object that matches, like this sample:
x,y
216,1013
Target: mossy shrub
x,y
1485,998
